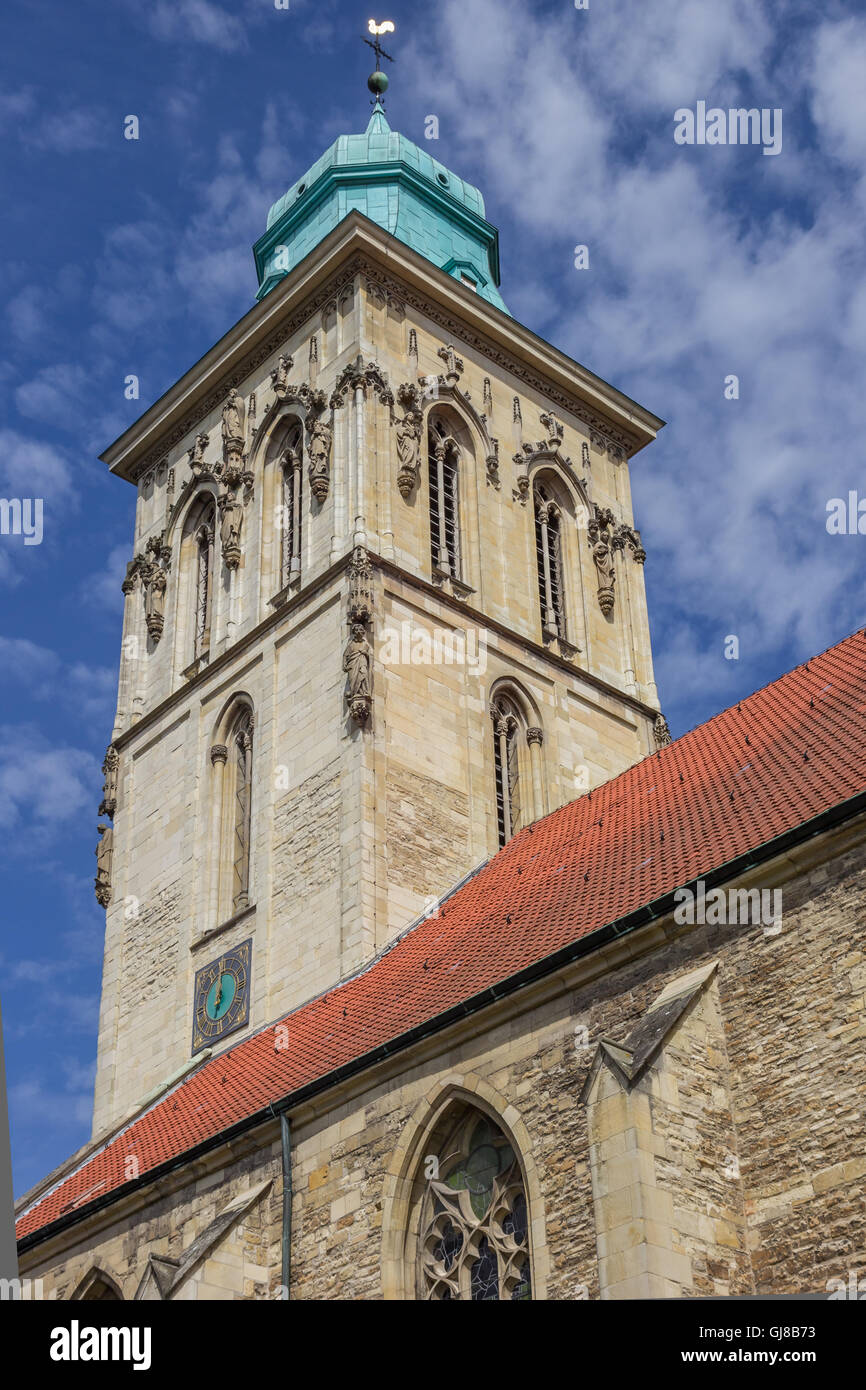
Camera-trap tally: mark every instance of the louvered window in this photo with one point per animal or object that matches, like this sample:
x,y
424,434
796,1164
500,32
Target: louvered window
x,y
291,508
204,581
548,547
506,755
243,755
444,457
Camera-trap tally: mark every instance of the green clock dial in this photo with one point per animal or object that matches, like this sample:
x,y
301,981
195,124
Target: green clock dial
x,y
221,995
221,1000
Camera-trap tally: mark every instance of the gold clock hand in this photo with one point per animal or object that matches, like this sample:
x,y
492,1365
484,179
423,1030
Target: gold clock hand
x,y
219,989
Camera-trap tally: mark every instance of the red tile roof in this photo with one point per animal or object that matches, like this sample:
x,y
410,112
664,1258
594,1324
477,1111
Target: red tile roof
x,y
781,757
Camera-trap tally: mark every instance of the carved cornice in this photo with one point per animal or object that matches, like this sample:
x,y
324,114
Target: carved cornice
x,y
619,443
345,276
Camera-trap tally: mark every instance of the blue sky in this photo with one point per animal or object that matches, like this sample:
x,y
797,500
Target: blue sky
x,y
134,256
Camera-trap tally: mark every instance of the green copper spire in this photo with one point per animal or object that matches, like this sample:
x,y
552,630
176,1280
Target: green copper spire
x,y
399,186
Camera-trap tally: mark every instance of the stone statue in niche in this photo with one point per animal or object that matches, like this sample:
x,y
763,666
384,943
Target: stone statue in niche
x,y
233,420
320,459
196,455
104,852
602,537
408,450
554,431
280,374
109,786
155,585
601,554
358,665
232,515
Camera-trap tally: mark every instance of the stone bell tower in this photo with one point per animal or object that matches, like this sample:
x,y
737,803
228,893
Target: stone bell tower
x,y
385,607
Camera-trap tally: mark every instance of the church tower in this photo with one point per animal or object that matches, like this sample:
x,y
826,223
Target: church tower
x,y
385,607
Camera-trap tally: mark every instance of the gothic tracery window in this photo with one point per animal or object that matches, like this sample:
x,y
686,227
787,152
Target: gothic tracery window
x,y
506,756
548,544
444,460
474,1234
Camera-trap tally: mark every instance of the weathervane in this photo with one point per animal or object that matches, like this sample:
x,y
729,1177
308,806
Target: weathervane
x,y
378,80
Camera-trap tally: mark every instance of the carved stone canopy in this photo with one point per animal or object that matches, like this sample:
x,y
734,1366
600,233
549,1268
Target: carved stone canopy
x,y
110,765
362,376
454,364
661,732
360,605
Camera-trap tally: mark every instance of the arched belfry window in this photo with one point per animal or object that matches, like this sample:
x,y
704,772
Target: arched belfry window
x,y
506,739
243,756
232,807
444,476
290,515
204,535
473,1241
518,761
548,546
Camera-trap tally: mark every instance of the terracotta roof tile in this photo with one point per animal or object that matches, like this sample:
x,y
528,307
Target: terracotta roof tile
x,y
778,758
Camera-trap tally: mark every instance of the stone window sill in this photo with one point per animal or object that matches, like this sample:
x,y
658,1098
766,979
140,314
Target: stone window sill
x,y
207,936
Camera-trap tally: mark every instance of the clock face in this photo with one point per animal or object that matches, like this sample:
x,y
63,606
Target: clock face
x,y
222,997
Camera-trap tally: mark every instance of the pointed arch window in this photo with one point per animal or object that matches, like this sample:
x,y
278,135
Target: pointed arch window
x,y
231,814
548,546
444,471
243,786
292,482
474,1233
204,567
506,734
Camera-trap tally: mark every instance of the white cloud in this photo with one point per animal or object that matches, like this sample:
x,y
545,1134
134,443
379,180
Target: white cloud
x,y
43,785
55,393
704,262
88,690
103,586
839,89
71,131
200,21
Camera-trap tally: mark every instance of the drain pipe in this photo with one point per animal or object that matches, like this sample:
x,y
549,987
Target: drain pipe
x,y
286,1146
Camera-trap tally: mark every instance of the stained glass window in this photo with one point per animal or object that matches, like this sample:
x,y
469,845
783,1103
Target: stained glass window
x,y
474,1243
